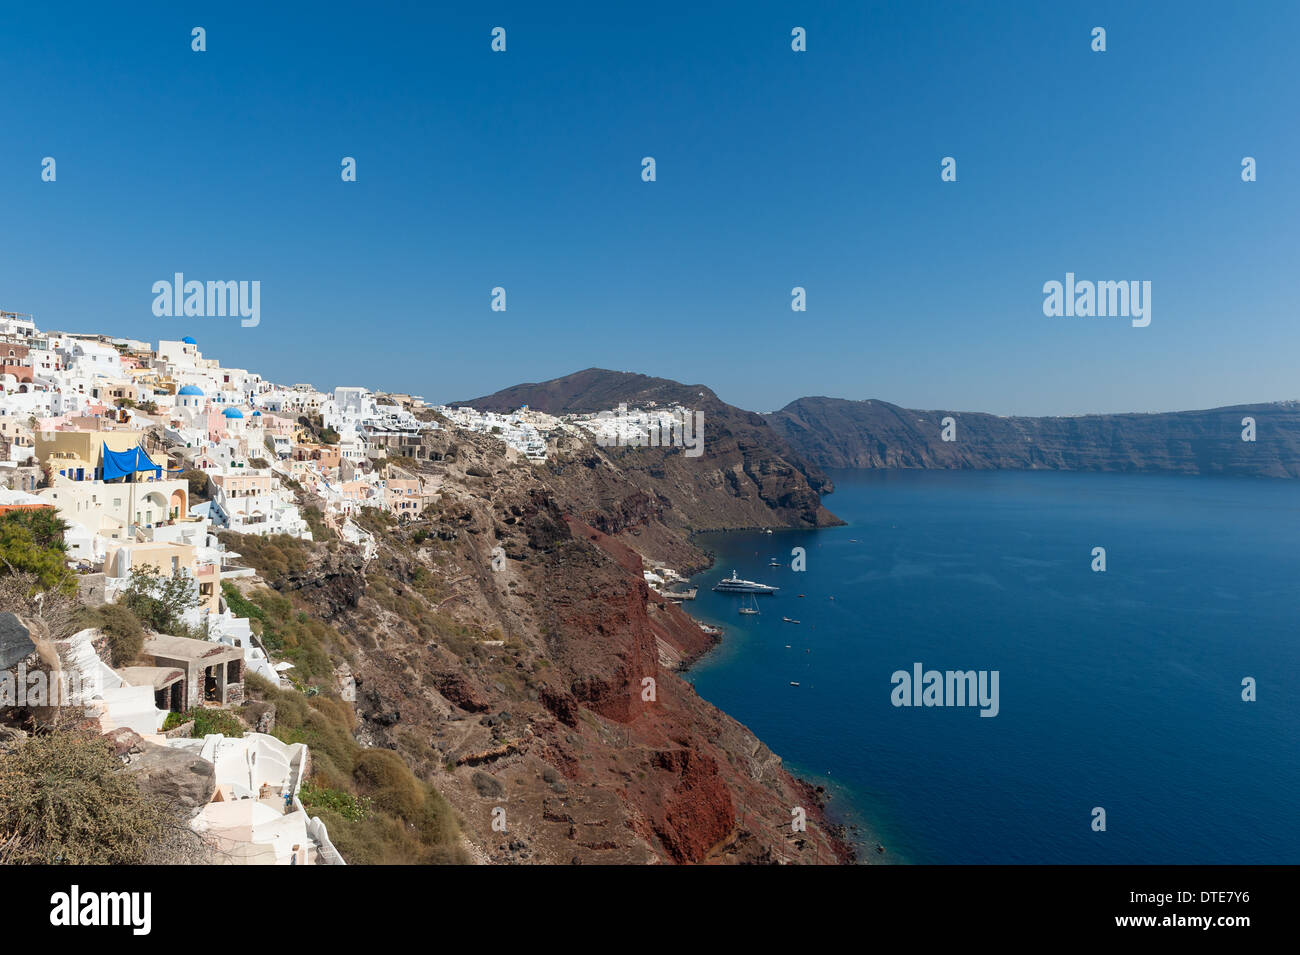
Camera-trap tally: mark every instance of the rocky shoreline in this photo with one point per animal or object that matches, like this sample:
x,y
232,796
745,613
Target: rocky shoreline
x,y
506,645
814,794
549,688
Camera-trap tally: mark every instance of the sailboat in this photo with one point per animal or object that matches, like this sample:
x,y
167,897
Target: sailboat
x,y
751,607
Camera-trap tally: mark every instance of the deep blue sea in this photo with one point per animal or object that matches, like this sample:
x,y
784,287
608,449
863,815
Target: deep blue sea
x,y
1119,689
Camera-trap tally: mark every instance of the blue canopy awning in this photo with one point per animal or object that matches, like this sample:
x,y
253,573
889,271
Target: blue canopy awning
x,y
121,463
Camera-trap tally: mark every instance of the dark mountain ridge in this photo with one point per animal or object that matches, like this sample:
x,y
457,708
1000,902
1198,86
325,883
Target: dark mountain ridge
x,y
746,476
837,433
592,390
813,433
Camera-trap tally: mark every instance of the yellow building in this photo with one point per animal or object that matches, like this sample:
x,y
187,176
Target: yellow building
x,y
102,481
79,455
168,559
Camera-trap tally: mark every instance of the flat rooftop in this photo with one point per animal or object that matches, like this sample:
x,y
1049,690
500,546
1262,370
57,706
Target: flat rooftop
x,y
183,648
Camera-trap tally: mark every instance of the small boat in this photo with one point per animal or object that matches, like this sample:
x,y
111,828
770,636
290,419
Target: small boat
x,y
774,563
789,620
879,847
801,595
793,683
768,531
751,607
787,646
853,540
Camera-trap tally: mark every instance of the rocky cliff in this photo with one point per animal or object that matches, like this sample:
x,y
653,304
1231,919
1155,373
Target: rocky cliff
x,y
747,476
834,433
508,648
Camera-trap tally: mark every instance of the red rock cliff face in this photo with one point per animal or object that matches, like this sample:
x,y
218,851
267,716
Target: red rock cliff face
x,y
545,691
697,813
607,635
602,635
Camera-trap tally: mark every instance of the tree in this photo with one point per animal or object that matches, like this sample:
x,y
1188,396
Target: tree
x,y
122,628
158,601
198,484
31,542
45,525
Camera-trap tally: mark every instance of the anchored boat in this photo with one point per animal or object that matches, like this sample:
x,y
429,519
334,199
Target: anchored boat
x,y
735,585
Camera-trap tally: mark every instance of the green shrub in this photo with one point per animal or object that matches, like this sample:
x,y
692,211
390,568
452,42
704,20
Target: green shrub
x,y
320,531
123,629
300,638
200,485
385,777
239,605
317,799
405,821
31,542
66,799
206,721
275,557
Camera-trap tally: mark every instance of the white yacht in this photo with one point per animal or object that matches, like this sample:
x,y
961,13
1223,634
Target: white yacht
x,y
735,585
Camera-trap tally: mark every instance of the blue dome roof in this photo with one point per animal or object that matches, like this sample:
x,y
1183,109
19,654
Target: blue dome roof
x,y
233,413
188,340
191,390
257,414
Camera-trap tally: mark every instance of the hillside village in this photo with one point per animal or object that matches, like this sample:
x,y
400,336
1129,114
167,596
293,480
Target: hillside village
x,y
155,466
146,454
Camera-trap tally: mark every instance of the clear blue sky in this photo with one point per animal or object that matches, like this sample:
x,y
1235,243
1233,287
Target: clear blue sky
x,y
775,169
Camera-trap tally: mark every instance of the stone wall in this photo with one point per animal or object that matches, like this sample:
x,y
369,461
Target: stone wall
x,y
184,731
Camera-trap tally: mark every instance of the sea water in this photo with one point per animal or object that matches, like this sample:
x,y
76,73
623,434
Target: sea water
x,y
1119,689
